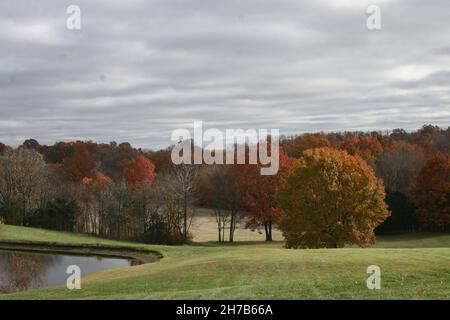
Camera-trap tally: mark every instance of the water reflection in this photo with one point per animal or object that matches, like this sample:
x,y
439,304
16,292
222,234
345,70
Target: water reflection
x,y
21,271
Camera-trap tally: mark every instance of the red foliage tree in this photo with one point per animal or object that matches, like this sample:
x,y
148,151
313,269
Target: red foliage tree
x,y
77,162
431,193
78,166
260,194
140,173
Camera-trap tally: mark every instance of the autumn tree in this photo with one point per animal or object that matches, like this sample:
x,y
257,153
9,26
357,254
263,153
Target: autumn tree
x,y
79,165
309,141
431,193
140,174
331,199
260,191
368,148
96,195
115,159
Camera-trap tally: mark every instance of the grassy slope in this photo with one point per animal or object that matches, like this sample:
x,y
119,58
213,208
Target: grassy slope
x,y
261,271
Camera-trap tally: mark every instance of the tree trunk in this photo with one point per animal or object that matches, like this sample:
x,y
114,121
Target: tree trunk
x,y
268,229
223,231
185,218
219,225
232,226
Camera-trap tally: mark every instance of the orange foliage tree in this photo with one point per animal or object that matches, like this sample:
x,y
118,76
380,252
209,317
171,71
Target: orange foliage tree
x,y
331,199
309,141
367,147
140,174
431,193
93,203
98,182
78,166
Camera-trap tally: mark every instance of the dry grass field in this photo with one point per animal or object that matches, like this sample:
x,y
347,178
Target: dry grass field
x,y
204,229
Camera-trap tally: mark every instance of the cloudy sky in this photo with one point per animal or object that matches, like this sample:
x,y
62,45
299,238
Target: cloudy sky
x,y
139,69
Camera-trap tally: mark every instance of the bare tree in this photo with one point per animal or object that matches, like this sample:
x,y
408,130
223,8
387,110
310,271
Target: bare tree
x,y
181,188
234,192
23,180
399,166
222,190
213,192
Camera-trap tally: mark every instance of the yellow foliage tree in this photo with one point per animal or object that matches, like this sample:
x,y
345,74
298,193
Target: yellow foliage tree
x,y
331,199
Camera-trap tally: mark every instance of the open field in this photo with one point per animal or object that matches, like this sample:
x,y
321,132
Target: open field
x,y
204,229
258,270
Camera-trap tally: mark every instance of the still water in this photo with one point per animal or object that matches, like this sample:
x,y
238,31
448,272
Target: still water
x,y
20,271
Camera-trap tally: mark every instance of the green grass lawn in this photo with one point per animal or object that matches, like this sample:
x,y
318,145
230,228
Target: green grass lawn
x,y
413,267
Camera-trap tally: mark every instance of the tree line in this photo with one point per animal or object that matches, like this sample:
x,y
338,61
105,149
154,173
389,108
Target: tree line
x,y
120,192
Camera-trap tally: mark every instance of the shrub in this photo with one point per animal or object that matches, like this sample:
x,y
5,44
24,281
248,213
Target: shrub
x,y
160,233
157,233
58,214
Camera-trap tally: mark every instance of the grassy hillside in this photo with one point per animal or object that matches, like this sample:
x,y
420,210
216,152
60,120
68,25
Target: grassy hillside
x,y
260,271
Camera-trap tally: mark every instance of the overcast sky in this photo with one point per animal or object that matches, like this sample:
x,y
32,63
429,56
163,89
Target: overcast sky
x,y
139,69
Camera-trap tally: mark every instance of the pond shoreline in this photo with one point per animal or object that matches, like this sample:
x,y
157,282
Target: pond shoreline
x,y
142,255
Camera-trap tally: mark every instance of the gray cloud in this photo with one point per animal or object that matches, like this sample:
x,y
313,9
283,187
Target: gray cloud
x,y
139,69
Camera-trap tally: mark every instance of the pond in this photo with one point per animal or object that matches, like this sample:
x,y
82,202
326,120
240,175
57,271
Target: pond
x,y
20,271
